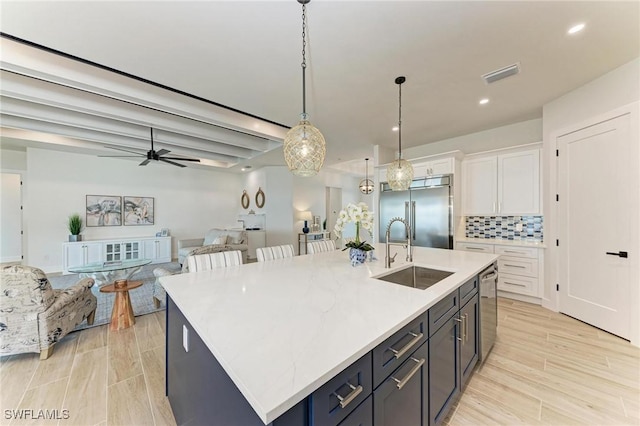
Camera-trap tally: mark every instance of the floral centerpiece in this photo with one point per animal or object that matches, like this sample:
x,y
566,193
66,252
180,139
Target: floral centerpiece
x,y
360,215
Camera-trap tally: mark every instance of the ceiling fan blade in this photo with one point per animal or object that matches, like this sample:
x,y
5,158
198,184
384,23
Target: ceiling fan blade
x,y
121,156
163,152
125,150
145,162
172,163
182,159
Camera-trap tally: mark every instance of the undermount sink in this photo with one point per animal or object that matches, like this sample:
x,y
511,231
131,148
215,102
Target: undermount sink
x,y
416,277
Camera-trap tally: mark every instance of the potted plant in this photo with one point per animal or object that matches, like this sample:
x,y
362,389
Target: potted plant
x,y
362,217
75,227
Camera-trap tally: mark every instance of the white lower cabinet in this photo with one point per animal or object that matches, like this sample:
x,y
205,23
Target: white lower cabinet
x,y
81,253
257,239
520,269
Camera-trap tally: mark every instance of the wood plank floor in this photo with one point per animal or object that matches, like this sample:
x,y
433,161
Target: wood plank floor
x,y
545,368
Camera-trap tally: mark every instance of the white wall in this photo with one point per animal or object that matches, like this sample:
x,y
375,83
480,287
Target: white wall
x,y
188,201
500,137
613,90
11,160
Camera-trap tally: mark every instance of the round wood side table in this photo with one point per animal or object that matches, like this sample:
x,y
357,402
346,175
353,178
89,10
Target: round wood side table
x,y
122,314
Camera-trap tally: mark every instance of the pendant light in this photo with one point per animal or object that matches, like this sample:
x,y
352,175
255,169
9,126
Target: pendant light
x,y
400,172
366,184
304,145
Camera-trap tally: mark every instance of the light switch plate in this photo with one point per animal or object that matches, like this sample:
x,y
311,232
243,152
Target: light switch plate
x,y
185,338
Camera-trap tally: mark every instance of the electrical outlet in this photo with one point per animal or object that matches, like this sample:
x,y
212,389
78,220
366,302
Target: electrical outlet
x,y
518,227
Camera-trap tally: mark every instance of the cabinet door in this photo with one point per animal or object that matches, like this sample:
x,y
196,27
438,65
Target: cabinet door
x,y
469,345
93,252
131,250
444,368
402,398
443,166
519,183
112,251
361,416
479,195
73,255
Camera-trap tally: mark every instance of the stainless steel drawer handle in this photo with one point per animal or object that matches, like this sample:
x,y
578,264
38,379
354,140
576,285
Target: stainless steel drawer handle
x,y
514,266
518,284
416,339
400,383
355,391
460,330
514,251
476,248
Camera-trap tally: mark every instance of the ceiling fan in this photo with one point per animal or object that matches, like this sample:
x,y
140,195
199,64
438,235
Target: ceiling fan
x,y
153,155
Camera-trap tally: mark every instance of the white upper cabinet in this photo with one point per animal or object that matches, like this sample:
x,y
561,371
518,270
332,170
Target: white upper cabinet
x,y
479,186
519,183
442,166
502,185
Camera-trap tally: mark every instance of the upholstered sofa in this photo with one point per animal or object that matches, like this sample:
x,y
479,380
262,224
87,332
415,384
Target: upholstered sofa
x,y
232,239
34,316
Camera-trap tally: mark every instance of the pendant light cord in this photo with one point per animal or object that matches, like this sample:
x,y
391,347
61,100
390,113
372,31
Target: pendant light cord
x,y
304,61
399,121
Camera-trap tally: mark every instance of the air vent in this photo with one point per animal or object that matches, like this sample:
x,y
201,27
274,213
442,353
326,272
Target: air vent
x,y
505,72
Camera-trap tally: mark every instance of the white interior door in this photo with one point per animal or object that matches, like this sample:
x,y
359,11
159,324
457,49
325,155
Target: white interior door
x,y
10,218
598,213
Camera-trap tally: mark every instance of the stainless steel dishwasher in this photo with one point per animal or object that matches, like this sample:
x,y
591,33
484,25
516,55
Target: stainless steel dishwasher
x,y
488,309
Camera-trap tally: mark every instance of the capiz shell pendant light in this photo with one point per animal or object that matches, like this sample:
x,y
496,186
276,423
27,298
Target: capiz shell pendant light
x,y
366,184
400,172
304,145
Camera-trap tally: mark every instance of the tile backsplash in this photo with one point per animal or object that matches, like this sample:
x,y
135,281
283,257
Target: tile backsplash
x,y
505,227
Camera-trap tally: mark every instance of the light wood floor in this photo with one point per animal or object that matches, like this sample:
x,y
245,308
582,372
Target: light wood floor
x,y
545,368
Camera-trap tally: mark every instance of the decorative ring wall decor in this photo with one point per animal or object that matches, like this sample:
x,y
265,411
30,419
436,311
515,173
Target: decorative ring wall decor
x,y
260,198
244,200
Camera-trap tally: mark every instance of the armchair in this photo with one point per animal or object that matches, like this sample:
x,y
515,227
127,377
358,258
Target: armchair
x,y
34,316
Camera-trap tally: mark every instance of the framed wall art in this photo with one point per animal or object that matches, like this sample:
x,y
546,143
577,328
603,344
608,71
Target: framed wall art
x,y
104,210
138,211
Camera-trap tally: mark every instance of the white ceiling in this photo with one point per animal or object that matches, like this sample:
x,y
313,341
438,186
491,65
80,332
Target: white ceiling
x,y
246,55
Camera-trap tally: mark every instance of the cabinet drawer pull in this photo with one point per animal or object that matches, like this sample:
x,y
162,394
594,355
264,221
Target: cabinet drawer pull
x,y
466,327
514,266
476,248
460,330
518,284
514,251
400,383
355,391
416,339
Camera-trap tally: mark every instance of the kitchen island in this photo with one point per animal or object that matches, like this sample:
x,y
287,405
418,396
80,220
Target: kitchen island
x,y
280,330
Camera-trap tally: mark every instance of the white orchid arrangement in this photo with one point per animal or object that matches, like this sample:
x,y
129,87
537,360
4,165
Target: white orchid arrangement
x,y
362,217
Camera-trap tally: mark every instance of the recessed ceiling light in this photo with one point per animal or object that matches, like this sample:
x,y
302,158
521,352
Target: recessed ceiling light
x,y
394,128
484,101
575,29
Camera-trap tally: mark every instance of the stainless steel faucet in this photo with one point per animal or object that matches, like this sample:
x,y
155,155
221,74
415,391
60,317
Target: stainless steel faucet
x,y
387,258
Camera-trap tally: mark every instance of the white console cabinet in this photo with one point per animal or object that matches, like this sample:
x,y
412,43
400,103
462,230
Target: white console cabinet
x,y
81,253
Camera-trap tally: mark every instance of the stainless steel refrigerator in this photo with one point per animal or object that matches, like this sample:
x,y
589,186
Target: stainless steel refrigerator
x,y
427,206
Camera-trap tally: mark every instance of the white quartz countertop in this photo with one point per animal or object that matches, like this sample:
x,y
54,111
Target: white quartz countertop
x,y
501,242
283,328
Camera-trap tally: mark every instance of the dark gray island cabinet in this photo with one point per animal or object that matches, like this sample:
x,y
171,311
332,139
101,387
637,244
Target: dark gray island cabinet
x,y
411,378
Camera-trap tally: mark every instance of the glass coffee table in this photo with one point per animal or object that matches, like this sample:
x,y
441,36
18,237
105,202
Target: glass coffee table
x,y
107,272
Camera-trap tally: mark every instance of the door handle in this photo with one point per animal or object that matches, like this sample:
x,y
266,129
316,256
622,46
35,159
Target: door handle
x,y
413,219
620,254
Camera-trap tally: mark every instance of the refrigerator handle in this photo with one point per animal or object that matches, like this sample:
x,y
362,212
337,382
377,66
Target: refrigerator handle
x,y
406,216
413,219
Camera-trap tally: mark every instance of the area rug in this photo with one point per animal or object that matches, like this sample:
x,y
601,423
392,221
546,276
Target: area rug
x,y
141,297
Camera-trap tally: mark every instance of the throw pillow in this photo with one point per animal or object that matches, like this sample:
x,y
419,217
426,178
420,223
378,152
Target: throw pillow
x,y
220,240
